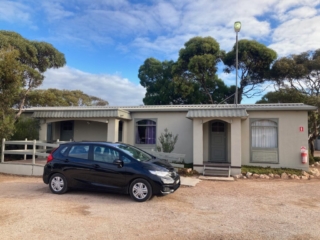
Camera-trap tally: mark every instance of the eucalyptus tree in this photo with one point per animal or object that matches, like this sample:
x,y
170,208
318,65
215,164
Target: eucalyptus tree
x,y
33,58
196,70
254,65
157,78
11,75
54,97
301,72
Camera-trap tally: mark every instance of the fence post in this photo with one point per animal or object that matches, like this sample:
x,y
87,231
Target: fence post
x,y
34,152
25,148
2,149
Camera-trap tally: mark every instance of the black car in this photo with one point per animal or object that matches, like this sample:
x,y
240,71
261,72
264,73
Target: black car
x,y
108,166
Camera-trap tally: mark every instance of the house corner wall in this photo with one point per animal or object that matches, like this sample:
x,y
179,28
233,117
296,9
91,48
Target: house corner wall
x,y
198,145
236,146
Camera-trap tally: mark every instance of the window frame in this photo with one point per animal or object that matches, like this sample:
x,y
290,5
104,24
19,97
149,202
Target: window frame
x,y
264,150
136,120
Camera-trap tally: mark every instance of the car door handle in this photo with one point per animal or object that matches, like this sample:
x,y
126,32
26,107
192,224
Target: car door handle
x,y
96,165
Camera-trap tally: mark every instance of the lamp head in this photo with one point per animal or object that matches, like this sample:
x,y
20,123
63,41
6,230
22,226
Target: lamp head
x,y
237,26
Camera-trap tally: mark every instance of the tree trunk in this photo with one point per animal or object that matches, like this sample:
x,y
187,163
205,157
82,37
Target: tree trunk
x,y
311,146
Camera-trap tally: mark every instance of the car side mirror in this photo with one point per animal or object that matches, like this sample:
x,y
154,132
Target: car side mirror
x,y
118,162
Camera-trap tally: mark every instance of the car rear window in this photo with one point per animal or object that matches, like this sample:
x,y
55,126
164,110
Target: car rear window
x,y
79,151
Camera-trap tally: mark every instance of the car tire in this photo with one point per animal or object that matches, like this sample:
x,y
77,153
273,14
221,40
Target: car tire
x,y
58,183
140,190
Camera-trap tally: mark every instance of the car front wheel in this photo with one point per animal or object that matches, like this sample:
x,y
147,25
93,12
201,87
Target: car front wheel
x,y
140,190
58,183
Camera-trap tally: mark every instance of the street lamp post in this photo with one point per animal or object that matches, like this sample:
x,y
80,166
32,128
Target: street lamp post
x,y
237,27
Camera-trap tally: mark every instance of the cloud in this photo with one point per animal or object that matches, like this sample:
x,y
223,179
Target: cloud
x,y
296,36
142,29
15,12
116,90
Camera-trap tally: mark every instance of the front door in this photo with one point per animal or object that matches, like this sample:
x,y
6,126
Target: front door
x,y
218,145
66,133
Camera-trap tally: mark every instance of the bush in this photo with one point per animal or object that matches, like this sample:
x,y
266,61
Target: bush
x,y
267,170
167,141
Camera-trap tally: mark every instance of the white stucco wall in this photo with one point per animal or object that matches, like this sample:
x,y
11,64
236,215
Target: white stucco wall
x,y
90,130
176,122
289,137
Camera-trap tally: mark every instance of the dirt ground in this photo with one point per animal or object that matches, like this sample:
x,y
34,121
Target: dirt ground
x,y
243,209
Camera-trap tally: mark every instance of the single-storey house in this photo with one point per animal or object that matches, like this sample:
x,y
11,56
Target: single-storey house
x,y
234,135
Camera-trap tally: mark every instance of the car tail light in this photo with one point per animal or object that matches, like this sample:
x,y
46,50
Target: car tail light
x,y
50,157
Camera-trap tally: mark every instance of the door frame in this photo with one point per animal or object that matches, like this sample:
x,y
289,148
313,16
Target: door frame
x,y
61,129
226,140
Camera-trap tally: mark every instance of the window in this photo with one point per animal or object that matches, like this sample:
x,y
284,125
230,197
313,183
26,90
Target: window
x,y
105,154
145,132
79,151
217,127
264,140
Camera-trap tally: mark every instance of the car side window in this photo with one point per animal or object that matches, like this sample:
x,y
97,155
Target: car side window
x,y
79,151
105,154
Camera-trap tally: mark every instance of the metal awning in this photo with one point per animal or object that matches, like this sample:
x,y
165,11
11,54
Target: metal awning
x,y
218,113
94,113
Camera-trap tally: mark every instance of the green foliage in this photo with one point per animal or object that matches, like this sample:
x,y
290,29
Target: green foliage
x,y
286,95
196,68
254,61
300,72
298,76
267,170
10,82
26,127
54,97
34,58
167,141
157,78
190,80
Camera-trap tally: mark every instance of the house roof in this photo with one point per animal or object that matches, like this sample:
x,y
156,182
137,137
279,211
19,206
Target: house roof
x,y
123,112
219,113
83,113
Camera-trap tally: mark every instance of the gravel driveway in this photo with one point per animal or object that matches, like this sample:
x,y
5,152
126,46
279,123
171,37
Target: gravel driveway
x,y
244,209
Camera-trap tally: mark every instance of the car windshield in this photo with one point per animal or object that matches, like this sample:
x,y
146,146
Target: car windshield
x,y
135,152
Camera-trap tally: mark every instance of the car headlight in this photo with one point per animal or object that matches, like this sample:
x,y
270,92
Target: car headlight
x,y
165,176
159,173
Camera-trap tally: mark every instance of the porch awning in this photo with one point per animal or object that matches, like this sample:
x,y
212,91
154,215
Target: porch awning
x,y
115,113
218,113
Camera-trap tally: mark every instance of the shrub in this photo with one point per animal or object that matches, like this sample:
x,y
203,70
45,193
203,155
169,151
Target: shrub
x,y
267,170
167,141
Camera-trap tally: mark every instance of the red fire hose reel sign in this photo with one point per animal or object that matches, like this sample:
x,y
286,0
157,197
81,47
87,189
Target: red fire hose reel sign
x,y
301,129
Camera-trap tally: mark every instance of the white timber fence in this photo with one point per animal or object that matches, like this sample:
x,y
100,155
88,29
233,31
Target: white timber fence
x,y
176,159
39,148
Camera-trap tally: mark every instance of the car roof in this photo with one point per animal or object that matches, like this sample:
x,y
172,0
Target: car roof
x,y
94,142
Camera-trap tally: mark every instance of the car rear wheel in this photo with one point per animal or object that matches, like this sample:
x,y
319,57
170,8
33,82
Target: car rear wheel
x,y
140,190
58,183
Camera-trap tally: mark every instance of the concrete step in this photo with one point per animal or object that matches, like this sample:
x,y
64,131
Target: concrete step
x,y
216,171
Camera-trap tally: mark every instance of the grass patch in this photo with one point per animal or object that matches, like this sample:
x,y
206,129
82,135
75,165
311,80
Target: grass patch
x,y
267,170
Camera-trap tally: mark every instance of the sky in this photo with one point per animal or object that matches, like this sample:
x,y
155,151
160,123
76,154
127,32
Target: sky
x,y
106,41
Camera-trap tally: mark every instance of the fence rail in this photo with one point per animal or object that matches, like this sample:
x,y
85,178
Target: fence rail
x,y
39,148
171,157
